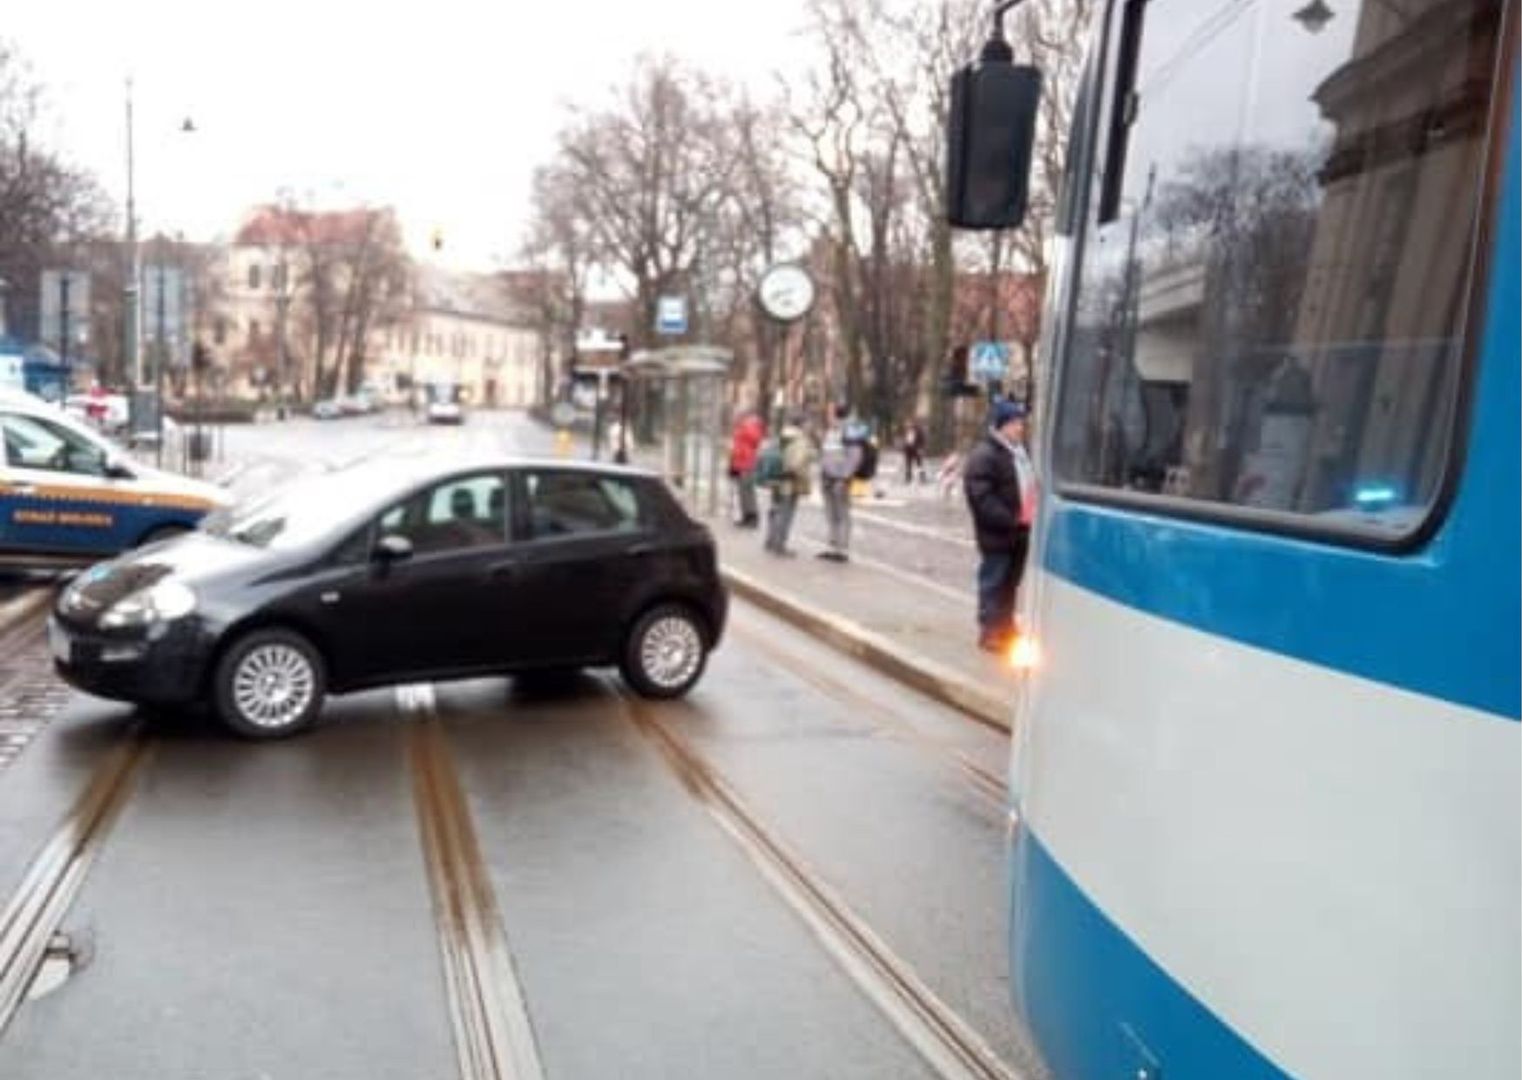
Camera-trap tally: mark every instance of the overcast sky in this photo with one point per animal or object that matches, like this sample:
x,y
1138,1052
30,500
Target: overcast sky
x,y
441,109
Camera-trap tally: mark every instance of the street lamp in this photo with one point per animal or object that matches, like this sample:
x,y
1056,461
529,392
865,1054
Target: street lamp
x,y
1314,16
132,356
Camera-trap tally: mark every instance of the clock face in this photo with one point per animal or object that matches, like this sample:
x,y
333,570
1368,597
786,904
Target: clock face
x,y
786,293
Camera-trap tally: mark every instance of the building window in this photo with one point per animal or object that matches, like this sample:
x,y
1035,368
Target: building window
x,y
253,331
253,275
219,331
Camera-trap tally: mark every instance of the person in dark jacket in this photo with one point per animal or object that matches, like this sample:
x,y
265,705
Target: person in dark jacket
x,y
1001,493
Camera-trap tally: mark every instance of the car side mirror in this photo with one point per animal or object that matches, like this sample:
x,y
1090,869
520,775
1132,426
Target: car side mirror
x,y
116,469
990,132
391,548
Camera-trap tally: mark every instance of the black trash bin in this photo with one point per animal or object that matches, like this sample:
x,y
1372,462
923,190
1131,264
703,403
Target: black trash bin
x,y
198,445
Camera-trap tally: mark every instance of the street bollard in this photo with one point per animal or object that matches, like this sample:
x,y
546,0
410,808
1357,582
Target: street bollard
x,y
562,443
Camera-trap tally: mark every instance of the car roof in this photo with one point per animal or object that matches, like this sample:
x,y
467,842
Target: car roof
x,y
420,468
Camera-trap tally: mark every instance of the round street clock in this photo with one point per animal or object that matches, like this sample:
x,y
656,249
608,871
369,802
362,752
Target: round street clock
x,y
786,292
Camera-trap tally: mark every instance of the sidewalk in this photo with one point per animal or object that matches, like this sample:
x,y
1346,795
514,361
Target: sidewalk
x,y
879,610
920,635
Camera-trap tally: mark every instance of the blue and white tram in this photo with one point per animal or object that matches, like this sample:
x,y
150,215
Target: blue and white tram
x,y
1266,771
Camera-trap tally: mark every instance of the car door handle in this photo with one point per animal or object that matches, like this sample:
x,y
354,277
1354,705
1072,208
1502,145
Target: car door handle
x,y
503,571
20,489
636,550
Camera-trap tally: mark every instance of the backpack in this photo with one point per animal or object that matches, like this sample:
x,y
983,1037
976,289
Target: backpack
x,y
866,464
769,463
858,434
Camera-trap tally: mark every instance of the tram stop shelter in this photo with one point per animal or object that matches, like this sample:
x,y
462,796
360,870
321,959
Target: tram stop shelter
x,y
680,394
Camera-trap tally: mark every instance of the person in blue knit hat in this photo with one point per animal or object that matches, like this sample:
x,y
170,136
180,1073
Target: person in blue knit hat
x,y
1000,484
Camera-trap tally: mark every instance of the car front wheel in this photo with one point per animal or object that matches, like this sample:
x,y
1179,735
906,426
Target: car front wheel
x,y
270,684
665,652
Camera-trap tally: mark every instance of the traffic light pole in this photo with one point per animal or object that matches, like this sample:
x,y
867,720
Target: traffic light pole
x,y
158,361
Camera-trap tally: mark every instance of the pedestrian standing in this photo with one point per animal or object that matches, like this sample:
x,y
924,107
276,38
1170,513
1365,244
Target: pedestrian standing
x,y
914,452
839,459
1000,485
744,445
798,458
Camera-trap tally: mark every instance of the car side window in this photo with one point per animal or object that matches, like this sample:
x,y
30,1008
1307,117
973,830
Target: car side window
x,y
459,514
354,550
33,443
575,504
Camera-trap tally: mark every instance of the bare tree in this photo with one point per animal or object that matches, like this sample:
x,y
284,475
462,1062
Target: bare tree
x,y
649,173
837,123
759,224
557,256
48,208
354,278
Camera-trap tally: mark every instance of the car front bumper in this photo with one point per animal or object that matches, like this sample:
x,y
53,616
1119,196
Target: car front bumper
x,y
163,666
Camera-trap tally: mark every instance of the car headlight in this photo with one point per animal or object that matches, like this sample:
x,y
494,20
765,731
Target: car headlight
x,y
166,601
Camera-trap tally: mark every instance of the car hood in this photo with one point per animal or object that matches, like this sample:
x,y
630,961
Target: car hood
x,y
174,484
193,559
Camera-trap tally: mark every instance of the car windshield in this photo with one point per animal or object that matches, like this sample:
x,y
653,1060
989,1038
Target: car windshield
x,y
303,512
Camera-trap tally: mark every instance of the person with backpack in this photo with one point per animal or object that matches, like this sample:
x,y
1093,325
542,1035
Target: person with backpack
x,y
1000,486
839,458
744,449
787,465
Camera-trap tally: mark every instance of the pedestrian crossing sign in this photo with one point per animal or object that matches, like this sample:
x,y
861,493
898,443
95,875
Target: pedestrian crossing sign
x,y
988,361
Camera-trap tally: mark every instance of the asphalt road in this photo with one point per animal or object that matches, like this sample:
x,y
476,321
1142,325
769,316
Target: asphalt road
x,y
621,880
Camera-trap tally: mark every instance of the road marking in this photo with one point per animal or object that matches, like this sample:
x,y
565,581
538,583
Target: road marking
x,y
58,872
493,1033
909,577
915,530
946,1042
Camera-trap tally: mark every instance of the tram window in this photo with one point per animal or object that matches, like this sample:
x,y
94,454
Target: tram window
x,y
1274,318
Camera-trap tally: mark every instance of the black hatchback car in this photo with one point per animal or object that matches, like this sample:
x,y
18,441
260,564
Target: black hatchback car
x,y
390,573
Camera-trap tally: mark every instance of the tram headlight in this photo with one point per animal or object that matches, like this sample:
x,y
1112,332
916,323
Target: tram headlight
x,y
163,602
1024,653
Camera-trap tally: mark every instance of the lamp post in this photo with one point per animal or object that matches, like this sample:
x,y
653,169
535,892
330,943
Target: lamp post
x,y
132,356
282,313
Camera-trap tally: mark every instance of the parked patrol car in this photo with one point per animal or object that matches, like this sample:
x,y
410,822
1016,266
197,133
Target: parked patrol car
x,y
70,496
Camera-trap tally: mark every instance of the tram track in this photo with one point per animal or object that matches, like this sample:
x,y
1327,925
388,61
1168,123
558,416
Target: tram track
x,y
493,1034
946,1042
55,877
985,782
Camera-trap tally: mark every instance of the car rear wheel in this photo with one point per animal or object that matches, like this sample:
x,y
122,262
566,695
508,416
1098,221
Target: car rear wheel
x,y
665,652
270,684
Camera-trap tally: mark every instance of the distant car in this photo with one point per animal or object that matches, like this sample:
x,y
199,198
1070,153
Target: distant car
x,y
446,412
327,409
383,574
69,496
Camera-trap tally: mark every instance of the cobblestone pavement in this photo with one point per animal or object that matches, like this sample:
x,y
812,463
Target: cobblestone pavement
x,y
30,694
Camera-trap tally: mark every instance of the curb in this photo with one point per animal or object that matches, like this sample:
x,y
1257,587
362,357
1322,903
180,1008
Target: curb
x,y
928,676
18,609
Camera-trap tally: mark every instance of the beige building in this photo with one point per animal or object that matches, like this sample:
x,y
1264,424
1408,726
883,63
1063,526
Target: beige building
x,y
441,326
462,328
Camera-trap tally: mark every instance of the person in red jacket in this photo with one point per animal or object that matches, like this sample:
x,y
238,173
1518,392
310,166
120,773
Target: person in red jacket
x,y
744,445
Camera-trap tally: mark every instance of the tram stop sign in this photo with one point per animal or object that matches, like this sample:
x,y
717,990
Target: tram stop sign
x,y
671,315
